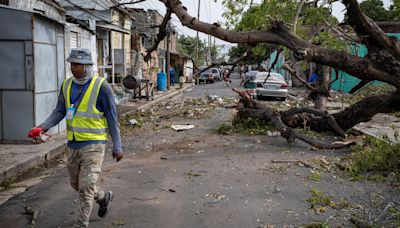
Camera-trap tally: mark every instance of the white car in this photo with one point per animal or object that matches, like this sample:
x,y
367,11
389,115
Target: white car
x,y
210,75
274,86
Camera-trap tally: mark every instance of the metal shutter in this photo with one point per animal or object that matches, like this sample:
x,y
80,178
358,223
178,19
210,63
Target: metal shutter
x,y
73,40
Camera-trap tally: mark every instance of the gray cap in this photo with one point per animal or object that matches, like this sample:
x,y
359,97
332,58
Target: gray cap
x,y
81,56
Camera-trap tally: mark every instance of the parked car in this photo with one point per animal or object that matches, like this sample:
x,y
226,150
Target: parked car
x,y
251,74
210,75
274,86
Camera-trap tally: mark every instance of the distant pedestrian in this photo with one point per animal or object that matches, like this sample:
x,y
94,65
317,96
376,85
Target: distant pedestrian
x,y
312,80
226,77
87,103
172,76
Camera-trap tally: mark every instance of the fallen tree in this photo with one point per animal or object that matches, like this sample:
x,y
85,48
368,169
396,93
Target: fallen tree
x,y
381,63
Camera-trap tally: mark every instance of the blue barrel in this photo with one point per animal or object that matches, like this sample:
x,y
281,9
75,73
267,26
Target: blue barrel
x,y
161,81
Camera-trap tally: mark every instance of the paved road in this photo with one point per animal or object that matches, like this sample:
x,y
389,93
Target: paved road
x,y
218,88
198,178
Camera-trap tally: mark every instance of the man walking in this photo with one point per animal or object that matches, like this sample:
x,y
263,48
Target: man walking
x,y
88,104
172,76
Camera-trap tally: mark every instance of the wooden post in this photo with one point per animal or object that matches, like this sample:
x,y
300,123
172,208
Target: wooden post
x,y
168,62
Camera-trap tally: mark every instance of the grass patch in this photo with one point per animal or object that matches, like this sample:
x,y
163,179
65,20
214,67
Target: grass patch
x,y
141,117
315,176
396,114
345,204
8,183
320,201
375,160
245,126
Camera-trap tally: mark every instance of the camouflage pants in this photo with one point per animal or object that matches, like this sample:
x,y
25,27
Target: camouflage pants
x,y
84,167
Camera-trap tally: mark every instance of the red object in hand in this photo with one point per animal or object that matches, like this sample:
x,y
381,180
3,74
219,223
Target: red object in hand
x,y
35,132
38,135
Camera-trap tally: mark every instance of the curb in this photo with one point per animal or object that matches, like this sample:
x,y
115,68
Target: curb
x,y
56,148
161,99
30,162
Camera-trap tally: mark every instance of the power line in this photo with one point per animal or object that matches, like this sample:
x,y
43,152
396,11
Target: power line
x,y
93,14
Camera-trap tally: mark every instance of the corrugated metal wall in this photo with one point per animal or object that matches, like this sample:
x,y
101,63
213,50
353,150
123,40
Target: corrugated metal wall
x,y
345,81
32,64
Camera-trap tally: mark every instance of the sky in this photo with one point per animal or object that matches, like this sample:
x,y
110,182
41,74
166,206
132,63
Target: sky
x,y
211,11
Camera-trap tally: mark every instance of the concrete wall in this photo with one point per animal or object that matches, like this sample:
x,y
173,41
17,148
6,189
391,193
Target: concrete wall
x,y
121,40
51,11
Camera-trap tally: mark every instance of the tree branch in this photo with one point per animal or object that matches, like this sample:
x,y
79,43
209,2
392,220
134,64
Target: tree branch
x,y
273,64
280,34
368,30
223,63
162,33
339,32
329,118
296,18
293,73
359,86
251,108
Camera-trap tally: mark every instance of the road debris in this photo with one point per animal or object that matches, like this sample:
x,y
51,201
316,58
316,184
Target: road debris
x,y
140,199
216,197
33,213
192,174
298,162
133,121
273,133
181,127
118,223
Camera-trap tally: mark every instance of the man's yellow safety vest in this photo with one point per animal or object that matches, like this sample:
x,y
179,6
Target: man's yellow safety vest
x,y
88,122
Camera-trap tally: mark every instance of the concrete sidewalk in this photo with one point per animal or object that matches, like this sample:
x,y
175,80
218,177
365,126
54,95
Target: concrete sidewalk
x,y
15,159
159,96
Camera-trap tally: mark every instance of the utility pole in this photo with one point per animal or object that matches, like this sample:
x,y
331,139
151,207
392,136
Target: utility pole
x,y
215,57
167,55
197,35
209,49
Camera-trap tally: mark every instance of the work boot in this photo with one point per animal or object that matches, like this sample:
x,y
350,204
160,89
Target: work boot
x,y
104,204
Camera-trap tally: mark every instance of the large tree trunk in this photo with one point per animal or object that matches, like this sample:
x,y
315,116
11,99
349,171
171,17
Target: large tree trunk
x,y
321,100
361,111
382,63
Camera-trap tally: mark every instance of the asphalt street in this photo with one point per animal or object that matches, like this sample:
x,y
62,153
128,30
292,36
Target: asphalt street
x,y
198,178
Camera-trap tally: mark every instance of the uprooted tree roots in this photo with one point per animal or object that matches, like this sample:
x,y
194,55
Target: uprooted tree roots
x,y
284,123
